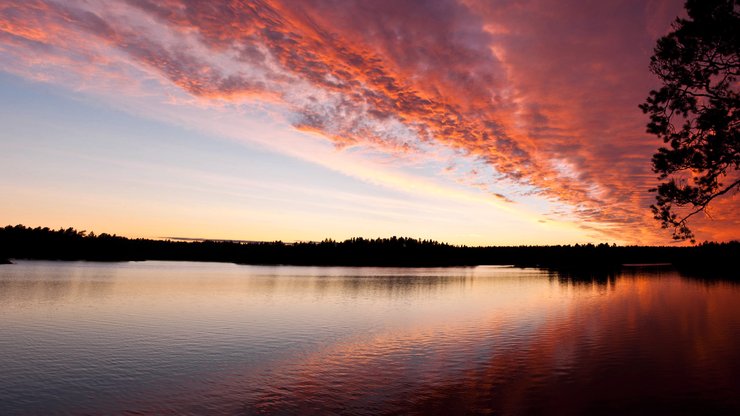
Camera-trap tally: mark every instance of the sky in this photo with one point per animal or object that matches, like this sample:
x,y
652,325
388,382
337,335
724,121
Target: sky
x,y
466,121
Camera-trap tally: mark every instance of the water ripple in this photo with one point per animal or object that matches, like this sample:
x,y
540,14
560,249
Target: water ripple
x,y
182,338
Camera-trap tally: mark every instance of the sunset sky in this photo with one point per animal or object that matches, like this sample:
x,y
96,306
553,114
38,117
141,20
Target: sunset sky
x,y
469,121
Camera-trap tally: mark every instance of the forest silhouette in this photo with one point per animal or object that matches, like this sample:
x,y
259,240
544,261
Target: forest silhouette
x,y
20,242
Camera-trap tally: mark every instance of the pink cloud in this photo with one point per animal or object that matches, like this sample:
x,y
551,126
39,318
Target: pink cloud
x,y
543,94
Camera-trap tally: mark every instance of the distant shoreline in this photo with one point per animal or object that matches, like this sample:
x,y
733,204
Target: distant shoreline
x,y
19,242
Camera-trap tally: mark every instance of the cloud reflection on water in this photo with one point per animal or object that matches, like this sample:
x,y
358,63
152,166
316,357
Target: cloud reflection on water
x,y
206,337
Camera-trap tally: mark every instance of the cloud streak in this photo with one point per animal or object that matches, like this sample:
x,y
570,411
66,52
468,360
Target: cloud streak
x,y
540,98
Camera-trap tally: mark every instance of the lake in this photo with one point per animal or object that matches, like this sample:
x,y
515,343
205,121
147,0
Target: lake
x,y
180,337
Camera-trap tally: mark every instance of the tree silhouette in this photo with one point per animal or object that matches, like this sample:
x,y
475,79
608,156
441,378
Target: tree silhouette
x,y
696,113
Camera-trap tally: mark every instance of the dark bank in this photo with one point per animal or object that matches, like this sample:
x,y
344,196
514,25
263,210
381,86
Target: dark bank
x,y
20,242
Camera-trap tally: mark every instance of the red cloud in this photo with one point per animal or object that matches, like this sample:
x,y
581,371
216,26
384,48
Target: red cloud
x,y
543,93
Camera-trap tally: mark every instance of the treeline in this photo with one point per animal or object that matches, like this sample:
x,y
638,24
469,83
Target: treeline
x,y
20,242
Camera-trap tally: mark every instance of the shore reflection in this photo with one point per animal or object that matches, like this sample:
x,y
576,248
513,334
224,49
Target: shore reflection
x,y
196,337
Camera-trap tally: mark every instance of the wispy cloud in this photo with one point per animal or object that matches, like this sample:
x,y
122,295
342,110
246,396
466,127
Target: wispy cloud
x,y
539,97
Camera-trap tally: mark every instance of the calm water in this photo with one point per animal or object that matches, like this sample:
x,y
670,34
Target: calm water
x,y
167,337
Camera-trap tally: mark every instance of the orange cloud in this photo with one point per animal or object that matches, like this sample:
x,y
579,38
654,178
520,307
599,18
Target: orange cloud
x,y
543,98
